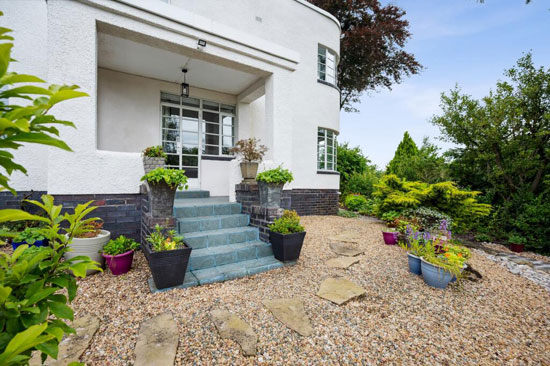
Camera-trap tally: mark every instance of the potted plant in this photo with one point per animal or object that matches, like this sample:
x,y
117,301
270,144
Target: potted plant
x,y
517,243
31,236
89,242
167,256
163,184
286,236
153,157
415,248
271,183
252,154
119,254
440,269
390,236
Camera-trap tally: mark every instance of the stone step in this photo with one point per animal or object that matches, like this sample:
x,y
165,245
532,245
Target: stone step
x,y
214,238
227,254
192,194
236,270
204,223
198,207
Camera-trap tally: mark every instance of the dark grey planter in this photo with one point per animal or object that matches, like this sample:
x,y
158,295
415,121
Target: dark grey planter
x,y
162,199
286,247
168,268
270,194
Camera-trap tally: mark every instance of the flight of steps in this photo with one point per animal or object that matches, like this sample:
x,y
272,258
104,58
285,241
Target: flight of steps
x,y
224,245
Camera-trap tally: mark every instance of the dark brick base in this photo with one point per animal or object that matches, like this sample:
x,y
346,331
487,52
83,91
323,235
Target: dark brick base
x,y
121,213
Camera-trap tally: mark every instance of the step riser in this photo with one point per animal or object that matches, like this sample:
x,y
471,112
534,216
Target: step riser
x,y
207,210
214,240
211,275
192,194
236,256
212,223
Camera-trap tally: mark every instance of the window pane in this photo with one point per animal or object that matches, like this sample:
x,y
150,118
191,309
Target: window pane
x,y
330,166
192,126
321,165
170,122
169,147
170,98
329,158
211,139
211,128
330,149
210,150
225,151
192,102
227,141
173,160
321,59
228,108
210,105
191,149
170,111
228,130
191,172
227,120
189,160
170,135
211,117
190,138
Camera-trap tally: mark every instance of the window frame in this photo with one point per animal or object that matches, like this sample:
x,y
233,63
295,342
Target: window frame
x,y
322,75
325,135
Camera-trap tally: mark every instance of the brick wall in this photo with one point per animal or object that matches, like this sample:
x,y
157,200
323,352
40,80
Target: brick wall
x,y
262,217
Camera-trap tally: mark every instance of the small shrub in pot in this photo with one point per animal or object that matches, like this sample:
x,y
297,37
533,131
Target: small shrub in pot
x,y
119,254
271,183
31,236
89,241
252,154
287,236
163,184
153,157
517,243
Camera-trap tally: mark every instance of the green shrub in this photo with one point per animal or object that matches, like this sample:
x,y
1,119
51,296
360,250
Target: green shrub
x,y
362,183
389,216
287,224
355,202
482,237
120,245
347,214
515,238
370,208
154,152
175,178
30,235
428,218
162,239
275,176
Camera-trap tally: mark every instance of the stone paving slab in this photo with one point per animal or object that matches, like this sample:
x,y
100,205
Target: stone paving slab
x,y
347,237
157,341
291,312
345,249
341,262
339,290
232,327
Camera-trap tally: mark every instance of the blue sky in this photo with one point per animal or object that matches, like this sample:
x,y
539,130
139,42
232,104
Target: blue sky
x,y
458,42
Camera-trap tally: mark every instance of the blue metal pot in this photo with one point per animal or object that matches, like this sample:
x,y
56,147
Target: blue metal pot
x,y
38,243
414,264
435,276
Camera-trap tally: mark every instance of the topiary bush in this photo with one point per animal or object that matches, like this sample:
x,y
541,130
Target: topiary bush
x,y
355,202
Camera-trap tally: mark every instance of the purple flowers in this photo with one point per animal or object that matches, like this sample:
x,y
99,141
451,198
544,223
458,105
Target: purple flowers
x,y
443,225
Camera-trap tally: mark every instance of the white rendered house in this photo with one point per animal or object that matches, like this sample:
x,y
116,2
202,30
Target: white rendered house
x,y
256,68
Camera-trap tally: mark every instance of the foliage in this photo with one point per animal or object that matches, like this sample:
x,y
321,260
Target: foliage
x,y
30,235
275,176
91,230
154,152
428,218
36,285
482,237
389,216
450,257
347,214
249,149
414,246
371,47
398,195
370,208
120,245
355,202
175,178
350,160
405,150
30,123
287,224
162,239
362,183
516,239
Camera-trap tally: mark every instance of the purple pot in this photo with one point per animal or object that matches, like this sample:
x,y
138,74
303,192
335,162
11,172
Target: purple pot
x,y
120,263
390,238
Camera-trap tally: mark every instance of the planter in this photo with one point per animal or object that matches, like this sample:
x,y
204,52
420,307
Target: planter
x,y
414,264
168,267
249,170
454,277
150,163
120,263
286,247
161,197
89,247
270,194
518,248
37,243
390,238
435,276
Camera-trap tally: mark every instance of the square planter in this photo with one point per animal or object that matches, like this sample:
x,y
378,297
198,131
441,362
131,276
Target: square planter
x,y
150,163
161,197
270,194
168,268
287,247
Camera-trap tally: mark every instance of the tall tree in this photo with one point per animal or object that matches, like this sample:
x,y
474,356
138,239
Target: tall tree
x,y
405,151
372,45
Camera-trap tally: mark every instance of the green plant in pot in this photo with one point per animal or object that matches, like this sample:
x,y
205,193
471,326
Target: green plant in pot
x,y
119,254
286,236
168,257
163,184
517,242
439,267
31,236
252,154
153,157
271,183
89,241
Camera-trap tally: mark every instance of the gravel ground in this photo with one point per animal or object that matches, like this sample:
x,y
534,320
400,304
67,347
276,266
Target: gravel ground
x,y
501,320
502,248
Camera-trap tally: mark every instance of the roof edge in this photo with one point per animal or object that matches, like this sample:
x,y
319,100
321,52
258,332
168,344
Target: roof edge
x,y
320,11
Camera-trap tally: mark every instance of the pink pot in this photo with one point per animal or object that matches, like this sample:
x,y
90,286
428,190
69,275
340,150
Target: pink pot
x,y
390,238
120,263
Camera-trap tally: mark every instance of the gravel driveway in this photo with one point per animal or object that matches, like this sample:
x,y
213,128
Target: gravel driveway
x,y
502,319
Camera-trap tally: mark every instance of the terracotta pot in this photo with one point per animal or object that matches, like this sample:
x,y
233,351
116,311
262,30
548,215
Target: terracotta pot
x,y
249,170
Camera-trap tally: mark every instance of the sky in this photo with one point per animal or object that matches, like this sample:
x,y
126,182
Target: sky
x,y
458,42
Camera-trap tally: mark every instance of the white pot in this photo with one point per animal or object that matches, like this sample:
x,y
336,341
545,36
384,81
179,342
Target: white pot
x,y
89,247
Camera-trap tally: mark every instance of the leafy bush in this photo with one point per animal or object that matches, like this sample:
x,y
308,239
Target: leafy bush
x,y
120,245
249,150
36,285
175,178
481,237
516,239
390,216
350,160
275,176
370,208
91,230
355,202
30,235
428,218
162,239
347,214
154,152
287,224
362,183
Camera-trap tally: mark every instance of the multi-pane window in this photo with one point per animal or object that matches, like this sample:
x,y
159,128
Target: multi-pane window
x,y
218,128
326,65
326,149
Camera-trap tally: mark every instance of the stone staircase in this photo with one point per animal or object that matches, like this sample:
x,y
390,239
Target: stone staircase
x,y
224,245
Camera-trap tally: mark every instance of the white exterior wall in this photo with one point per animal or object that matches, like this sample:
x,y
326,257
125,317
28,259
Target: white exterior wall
x,y
283,45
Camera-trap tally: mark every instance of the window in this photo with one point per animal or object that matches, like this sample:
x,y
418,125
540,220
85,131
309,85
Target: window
x,y
326,149
218,128
326,65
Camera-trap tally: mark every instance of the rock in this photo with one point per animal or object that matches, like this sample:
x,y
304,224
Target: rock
x,y
345,249
291,313
543,267
347,237
72,347
341,262
157,342
232,327
339,290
